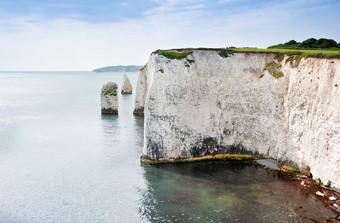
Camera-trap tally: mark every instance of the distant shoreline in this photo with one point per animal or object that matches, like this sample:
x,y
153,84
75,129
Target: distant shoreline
x,y
128,68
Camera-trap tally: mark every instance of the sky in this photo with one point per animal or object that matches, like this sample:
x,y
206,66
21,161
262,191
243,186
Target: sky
x,y
67,35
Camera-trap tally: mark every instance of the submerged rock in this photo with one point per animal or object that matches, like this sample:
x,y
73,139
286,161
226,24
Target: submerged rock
x,y
269,163
109,98
127,87
332,198
320,194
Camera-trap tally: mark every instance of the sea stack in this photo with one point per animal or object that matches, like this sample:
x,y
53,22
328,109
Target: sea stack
x,y
127,87
109,98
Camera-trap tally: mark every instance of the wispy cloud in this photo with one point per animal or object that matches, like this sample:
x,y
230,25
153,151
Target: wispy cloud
x,y
225,1
177,2
193,7
38,42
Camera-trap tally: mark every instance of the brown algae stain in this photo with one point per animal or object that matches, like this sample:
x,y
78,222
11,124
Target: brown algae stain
x,y
231,157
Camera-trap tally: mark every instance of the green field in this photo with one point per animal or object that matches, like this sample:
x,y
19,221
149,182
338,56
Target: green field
x,y
325,53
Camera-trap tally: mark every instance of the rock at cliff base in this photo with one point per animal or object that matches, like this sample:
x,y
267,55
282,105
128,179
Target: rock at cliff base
x,y
332,198
109,98
320,194
269,163
127,87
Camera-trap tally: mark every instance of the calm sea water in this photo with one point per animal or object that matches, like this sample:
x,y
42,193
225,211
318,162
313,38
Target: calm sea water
x,y
62,161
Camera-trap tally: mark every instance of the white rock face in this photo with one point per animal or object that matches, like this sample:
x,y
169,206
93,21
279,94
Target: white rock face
x,y
224,105
141,90
109,98
127,87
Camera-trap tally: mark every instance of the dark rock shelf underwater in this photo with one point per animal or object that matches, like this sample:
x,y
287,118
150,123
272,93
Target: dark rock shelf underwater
x,y
219,191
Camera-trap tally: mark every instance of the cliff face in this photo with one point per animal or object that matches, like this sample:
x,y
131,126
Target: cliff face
x,y
209,104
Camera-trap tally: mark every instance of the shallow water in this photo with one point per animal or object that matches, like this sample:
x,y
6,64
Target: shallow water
x,y
62,161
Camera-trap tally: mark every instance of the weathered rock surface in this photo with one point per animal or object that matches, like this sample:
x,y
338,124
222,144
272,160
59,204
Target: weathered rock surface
x,y
127,87
109,98
141,91
209,104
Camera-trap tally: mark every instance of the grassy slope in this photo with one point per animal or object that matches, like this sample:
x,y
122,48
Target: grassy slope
x,y
182,53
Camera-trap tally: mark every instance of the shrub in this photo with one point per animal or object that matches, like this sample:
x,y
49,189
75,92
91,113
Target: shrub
x,y
272,67
279,56
310,43
290,59
224,54
278,74
298,60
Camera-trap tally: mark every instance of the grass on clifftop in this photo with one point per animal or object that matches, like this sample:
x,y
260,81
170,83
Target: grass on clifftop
x,y
316,53
325,53
172,54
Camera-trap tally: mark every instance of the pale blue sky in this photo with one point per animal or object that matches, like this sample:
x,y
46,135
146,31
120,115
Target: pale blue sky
x,y
87,34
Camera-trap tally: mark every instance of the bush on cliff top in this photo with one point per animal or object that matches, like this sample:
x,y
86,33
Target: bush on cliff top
x,y
305,53
310,43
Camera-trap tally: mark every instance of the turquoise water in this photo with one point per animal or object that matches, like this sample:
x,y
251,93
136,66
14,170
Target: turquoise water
x,y
62,161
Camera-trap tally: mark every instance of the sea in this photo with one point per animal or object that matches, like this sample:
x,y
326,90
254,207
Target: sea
x,y
61,160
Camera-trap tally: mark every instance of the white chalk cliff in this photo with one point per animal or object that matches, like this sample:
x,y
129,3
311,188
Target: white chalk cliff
x,y
210,104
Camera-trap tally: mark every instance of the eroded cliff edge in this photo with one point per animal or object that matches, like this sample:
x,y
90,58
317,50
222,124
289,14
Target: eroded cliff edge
x,y
210,103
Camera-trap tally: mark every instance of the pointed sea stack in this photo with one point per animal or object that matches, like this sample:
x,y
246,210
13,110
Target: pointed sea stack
x,y
109,98
127,87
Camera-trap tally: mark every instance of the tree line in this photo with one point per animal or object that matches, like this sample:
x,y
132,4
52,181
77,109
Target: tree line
x,y
310,43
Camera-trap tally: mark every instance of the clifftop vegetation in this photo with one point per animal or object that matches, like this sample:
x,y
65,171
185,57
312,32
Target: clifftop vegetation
x,y
110,89
310,43
225,52
174,54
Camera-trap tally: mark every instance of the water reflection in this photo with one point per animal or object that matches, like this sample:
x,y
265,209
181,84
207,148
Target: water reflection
x,y
139,131
110,124
224,192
